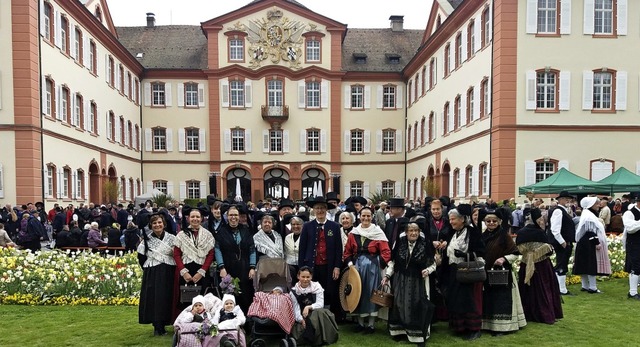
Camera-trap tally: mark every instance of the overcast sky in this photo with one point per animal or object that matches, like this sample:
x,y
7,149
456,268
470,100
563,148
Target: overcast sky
x,y
355,13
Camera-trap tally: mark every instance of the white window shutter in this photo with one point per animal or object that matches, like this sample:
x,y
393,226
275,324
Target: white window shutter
x,y
409,137
476,103
170,188
59,190
565,91
126,85
621,90
347,142
86,51
73,183
72,42
58,102
147,94
183,190
587,90
378,141
367,97
563,164
302,87
379,96
531,90
248,94
444,131
529,172
589,9
58,29
324,94
303,141
180,94
200,95
149,186
367,141
46,181
347,190
622,17
450,120
127,190
463,109
117,76
477,32
247,141
43,95
451,192
463,38
265,141
42,25
399,94
476,184
461,186
490,96
227,140
169,134
224,92
532,17
168,96
181,139
323,141
365,189
398,141
565,17
86,185
397,187
107,75
378,187
203,189
347,97
285,141
202,141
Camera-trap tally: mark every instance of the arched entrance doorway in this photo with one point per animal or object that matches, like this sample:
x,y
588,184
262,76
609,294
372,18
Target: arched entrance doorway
x,y
444,179
309,179
94,182
112,190
244,178
276,184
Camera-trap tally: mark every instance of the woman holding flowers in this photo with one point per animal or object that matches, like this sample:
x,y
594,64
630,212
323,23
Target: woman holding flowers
x,y
193,252
155,255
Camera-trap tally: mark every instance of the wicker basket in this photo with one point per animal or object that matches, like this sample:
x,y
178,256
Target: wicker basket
x,y
498,277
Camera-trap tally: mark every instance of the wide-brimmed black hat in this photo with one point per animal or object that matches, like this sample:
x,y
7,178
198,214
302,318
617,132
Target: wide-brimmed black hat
x,y
333,196
211,199
319,200
396,202
465,209
500,213
409,213
354,199
285,202
565,194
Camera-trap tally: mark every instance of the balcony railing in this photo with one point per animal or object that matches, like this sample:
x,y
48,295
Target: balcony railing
x,y
278,114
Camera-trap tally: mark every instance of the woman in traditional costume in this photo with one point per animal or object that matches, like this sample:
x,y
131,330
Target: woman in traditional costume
x,y
591,258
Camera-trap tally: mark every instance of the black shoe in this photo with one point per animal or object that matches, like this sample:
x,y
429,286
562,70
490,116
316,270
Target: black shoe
x,y
568,293
369,330
594,291
583,289
473,336
629,296
358,329
398,338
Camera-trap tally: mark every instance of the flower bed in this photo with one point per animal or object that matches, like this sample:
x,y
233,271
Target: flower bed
x,y
68,278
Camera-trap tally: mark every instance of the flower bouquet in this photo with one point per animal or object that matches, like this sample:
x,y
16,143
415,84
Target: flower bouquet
x,y
206,329
230,285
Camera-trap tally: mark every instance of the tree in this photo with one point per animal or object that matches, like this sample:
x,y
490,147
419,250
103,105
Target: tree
x,y
431,187
111,190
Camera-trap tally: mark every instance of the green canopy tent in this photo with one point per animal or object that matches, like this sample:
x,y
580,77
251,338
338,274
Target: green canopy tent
x,y
565,180
622,180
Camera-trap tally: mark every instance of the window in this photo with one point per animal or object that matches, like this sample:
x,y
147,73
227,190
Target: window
x,y
447,59
544,169
236,89
66,186
275,141
603,17
388,188
136,138
111,72
51,181
470,106
456,182
93,118
416,87
389,96
457,113
469,180
409,138
237,140
313,140
236,49
78,46
357,141
157,94
161,186
313,95
547,16
136,91
357,97
424,81
388,141
445,120
121,79
121,129
49,102
65,109
471,39
459,57
111,126
486,27
275,93
484,179
409,92
432,73
313,50
546,88
355,188
129,87
80,193
191,95
78,111
93,63
484,98
422,130
192,136
193,190
602,90
48,21
129,141
432,123
64,34
159,139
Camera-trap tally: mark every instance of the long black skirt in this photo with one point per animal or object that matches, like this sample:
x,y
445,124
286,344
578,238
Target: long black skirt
x,y
156,295
412,311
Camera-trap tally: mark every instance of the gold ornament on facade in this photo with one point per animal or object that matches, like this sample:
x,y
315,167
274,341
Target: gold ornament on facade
x,y
276,38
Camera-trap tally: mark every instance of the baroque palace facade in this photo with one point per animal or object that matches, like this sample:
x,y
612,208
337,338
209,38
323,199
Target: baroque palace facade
x,y
491,95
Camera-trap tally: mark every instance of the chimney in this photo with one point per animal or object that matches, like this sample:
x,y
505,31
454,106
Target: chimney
x,y
151,20
396,23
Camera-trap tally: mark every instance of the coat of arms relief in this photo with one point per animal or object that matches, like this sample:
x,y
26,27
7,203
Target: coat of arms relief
x,y
276,38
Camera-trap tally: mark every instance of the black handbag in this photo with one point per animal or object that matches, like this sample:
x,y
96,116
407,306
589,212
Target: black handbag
x,y
471,271
187,292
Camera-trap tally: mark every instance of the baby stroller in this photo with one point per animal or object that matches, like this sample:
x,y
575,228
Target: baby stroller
x,y
266,322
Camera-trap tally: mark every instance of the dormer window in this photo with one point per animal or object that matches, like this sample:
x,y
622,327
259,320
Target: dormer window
x,y
360,58
393,58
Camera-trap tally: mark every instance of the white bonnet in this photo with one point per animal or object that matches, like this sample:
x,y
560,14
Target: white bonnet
x,y
588,201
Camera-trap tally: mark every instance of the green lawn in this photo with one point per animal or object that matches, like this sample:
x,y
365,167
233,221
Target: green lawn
x,y
608,319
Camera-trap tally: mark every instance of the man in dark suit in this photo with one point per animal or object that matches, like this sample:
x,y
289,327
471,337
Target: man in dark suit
x,y
321,249
284,208
396,223
122,217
